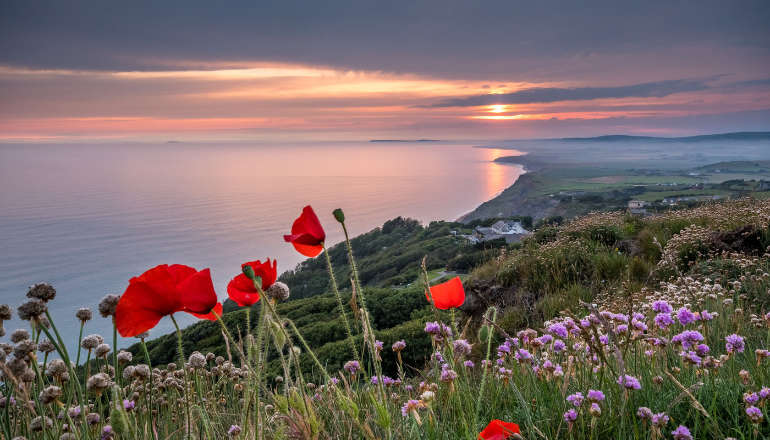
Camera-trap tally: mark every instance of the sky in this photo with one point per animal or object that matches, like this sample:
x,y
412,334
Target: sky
x,y
362,69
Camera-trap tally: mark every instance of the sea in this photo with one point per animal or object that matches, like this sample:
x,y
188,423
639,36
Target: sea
x,y
88,217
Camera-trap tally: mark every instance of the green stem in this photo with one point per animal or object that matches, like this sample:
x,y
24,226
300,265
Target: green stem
x,y
181,364
339,303
149,365
115,351
80,339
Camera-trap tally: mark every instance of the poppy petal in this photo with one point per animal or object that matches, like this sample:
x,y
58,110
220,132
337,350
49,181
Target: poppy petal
x,y
197,292
308,250
241,290
212,315
499,430
307,235
448,294
137,310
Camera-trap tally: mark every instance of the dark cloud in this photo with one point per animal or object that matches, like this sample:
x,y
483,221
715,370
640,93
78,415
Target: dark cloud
x,y
446,37
656,89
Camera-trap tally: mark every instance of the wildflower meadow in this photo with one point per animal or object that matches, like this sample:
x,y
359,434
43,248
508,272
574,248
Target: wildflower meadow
x,y
676,349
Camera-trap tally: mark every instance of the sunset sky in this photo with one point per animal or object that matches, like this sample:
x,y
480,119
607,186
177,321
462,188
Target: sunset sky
x,y
199,70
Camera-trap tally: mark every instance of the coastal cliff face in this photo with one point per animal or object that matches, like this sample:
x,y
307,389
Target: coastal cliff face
x,y
517,199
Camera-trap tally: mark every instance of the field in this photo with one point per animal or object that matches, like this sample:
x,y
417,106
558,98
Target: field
x,y
608,326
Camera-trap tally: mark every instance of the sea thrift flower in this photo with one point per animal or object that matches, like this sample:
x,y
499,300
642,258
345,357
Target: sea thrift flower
x,y
558,330
663,320
570,416
764,393
448,375
307,236
575,399
681,433
447,295
522,355
595,410
234,430
468,364
629,382
241,288
705,315
128,405
499,430
42,291
644,413
410,407
660,419
685,316
462,347
161,291
595,396
398,345
734,344
755,414
751,398
352,367
83,314
661,307
558,346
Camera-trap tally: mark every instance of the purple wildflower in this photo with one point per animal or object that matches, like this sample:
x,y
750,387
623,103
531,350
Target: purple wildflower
x,y
685,316
705,315
522,355
398,345
468,364
575,399
352,367
663,320
660,419
595,396
128,405
558,346
644,413
629,382
734,343
661,307
754,413
702,349
462,347
558,330
448,375
751,398
570,416
764,393
234,430
681,433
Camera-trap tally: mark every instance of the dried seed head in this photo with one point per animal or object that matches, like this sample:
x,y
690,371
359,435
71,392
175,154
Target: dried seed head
x,y
108,304
98,383
42,291
17,366
38,423
92,418
5,312
46,346
84,314
197,360
56,367
90,342
278,291
102,350
19,335
24,349
50,394
31,310
141,371
125,357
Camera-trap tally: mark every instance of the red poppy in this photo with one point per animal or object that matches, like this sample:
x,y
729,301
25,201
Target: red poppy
x,y
241,289
499,430
212,315
161,291
307,235
447,295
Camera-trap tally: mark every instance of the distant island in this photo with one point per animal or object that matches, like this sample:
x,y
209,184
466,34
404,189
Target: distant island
x,y
736,136
404,140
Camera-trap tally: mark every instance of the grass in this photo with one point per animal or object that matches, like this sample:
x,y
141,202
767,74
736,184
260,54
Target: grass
x,y
579,312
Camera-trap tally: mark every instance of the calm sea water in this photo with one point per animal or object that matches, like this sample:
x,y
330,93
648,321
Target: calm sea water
x,y
86,218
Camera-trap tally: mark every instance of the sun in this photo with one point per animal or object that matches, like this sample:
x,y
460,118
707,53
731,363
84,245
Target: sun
x,y
498,108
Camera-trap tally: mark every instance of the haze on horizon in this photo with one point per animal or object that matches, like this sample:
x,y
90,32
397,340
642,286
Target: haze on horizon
x,y
191,70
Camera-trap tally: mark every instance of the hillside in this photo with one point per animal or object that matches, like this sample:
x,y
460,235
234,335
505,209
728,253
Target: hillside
x,y
607,326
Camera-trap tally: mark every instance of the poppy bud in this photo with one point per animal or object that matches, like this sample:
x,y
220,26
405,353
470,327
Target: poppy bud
x,y
248,271
339,215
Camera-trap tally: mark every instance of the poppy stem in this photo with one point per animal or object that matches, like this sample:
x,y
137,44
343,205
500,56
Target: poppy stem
x,y
181,364
339,303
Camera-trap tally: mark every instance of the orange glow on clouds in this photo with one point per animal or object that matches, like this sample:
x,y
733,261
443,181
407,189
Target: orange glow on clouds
x,y
260,99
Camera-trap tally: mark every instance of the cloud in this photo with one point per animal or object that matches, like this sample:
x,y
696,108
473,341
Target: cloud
x,y
657,89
